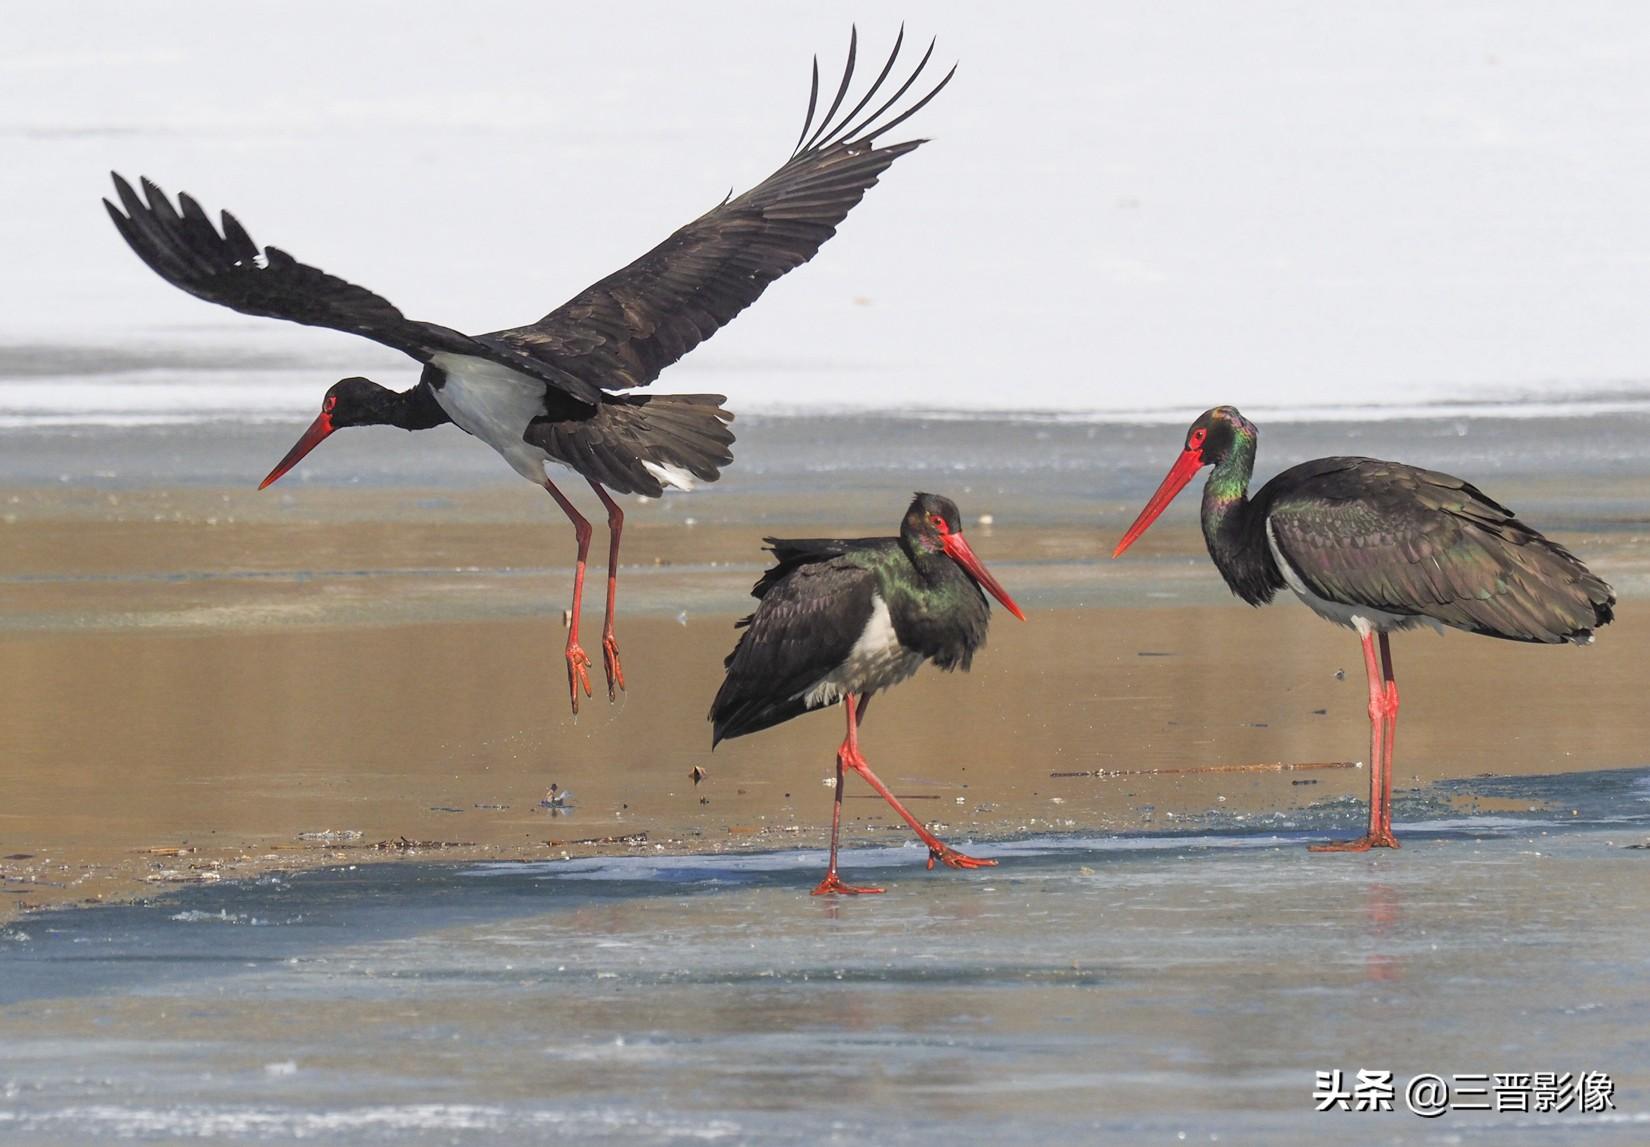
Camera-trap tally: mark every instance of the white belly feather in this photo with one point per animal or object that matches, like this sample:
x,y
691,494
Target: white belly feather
x,y
496,404
877,661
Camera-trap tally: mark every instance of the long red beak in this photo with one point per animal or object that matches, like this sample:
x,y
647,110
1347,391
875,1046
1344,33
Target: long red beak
x,y
1183,471
959,552
319,429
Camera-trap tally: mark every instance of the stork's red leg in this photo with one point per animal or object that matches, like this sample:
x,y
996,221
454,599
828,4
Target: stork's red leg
x,y
850,744
1380,786
1391,736
610,645
578,661
937,848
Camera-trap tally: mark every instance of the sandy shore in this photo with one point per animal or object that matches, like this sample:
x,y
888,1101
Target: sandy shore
x,y
199,684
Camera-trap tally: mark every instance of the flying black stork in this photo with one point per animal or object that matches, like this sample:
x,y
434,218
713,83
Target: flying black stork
x,y
1378,546
841,618
544,392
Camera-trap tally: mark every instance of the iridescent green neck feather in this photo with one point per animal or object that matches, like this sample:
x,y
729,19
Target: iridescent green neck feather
x,y
1235,535
1228,484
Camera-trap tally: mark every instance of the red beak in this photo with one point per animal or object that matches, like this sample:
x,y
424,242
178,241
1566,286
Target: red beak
x,y
319,429
1183,471
957,550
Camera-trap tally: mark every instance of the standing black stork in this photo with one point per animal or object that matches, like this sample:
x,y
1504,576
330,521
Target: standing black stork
x,y
1378,546
841,618
541,393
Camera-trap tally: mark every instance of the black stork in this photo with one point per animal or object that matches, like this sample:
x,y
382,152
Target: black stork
x,y
1378,546
543,392
841,618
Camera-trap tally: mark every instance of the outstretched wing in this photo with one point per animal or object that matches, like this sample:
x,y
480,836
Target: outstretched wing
x,y
805,627
624,330
1410,541
182,246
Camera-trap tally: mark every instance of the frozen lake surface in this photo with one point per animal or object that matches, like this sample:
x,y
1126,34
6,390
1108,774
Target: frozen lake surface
x,y
1179,987
1124,206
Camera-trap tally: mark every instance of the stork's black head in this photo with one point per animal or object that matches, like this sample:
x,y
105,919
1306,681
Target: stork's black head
x,y
357,402
1209,442
933,525
1215,433
348,402
928,521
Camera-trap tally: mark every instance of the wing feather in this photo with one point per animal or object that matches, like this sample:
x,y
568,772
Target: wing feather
x,y
806,625
1417,542
622,331
181,245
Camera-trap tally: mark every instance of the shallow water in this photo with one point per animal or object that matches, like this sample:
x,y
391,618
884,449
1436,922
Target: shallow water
x,y
1135,989
383,633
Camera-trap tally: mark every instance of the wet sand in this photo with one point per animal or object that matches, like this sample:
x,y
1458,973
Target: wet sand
x,y
198,681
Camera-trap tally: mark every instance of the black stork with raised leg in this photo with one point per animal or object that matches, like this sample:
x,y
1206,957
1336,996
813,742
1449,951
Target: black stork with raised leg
x,y
1378,546
544,392
840,619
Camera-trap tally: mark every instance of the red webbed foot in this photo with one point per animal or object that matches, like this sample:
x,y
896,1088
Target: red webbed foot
x,y
951,858
610,662
1380,839
578,673
833,884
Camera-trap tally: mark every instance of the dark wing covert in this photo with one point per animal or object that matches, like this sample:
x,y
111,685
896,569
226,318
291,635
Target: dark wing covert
x,y
1411,541
805,626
